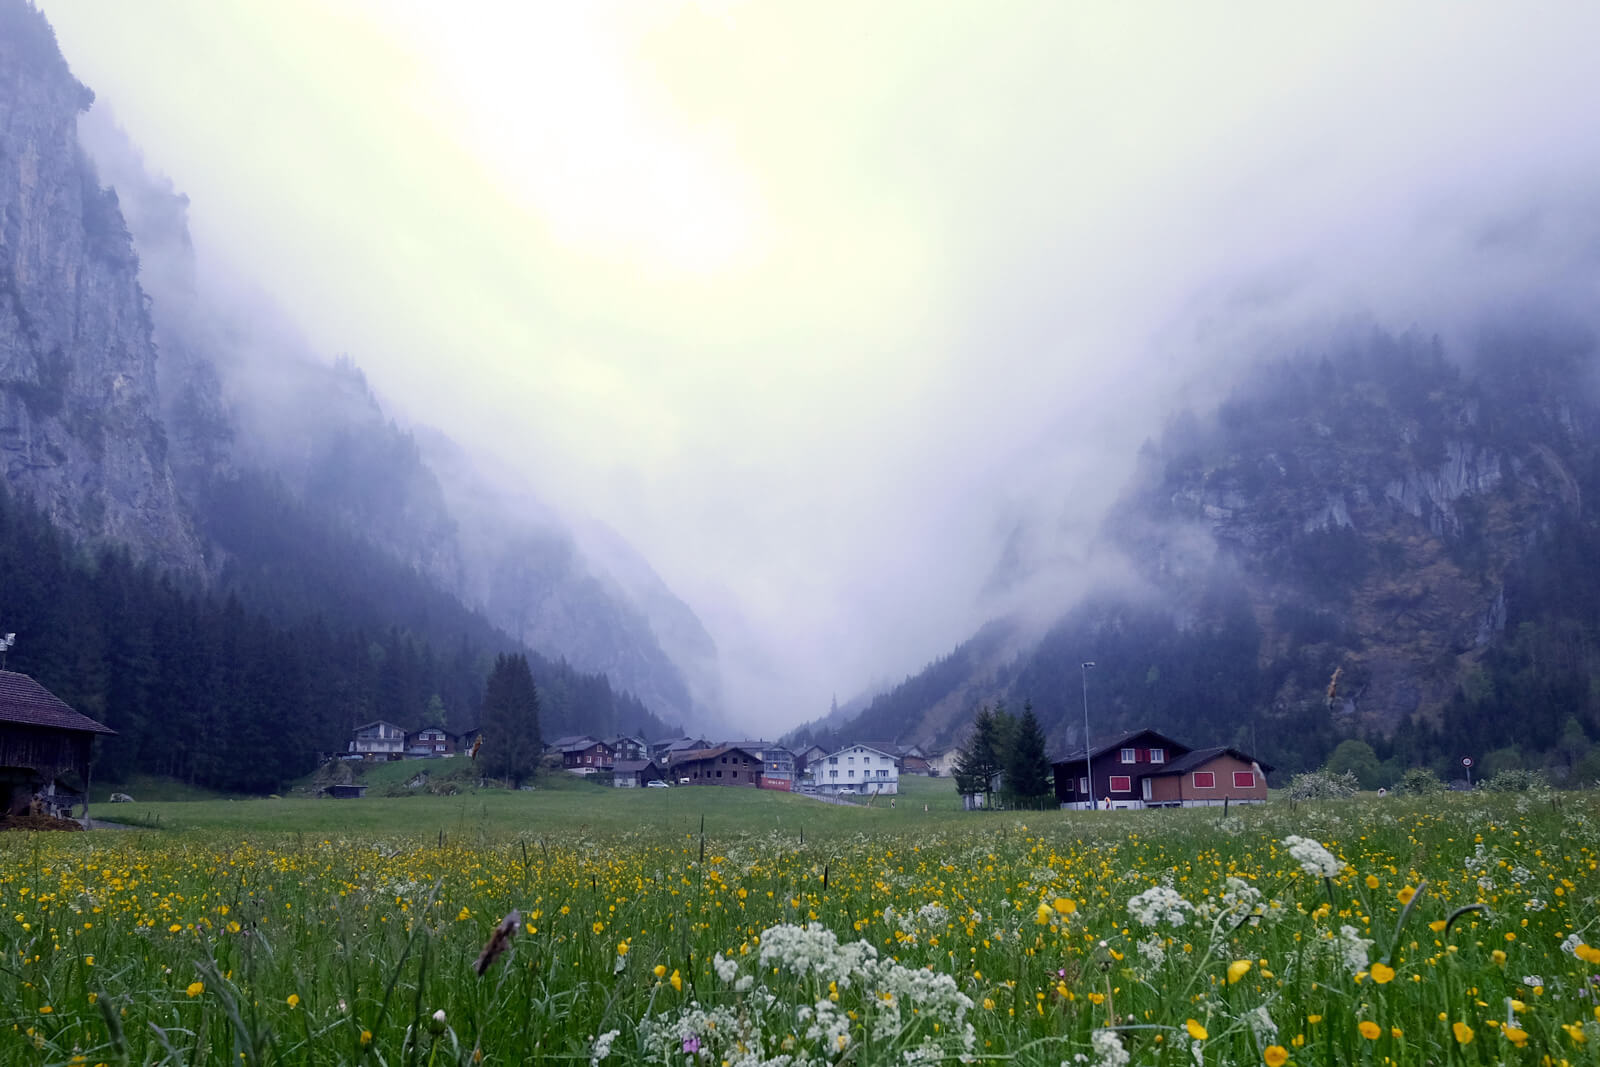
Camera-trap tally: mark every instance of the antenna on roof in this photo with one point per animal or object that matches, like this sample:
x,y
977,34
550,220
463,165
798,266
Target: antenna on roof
x,y
5,646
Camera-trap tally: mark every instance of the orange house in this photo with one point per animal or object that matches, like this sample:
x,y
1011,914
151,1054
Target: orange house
x,y
1205,777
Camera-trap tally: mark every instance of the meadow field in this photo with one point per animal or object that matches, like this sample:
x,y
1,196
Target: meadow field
x,y
705,926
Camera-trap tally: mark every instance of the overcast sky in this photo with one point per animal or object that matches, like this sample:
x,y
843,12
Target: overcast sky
x,y
815,301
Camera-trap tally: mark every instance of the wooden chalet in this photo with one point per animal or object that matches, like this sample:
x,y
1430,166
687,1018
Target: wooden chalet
x,y
1146,769
582,753
45,749
378,740
431,742
727,765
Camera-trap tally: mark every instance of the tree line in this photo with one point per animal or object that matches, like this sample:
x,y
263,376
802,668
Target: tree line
x,y
223,687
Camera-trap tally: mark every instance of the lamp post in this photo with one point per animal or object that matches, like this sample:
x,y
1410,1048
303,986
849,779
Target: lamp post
x,y
1088,764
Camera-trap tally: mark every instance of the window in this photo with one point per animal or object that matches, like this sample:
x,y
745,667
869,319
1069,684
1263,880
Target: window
x,y
1083,785
833,774
1244,779
1121,783
852,773
1158,755
1205,780
852,760
833,759
719,774
1130,755
736,774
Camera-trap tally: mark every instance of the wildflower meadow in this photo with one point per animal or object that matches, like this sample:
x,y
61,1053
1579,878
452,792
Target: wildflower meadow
x,y
1457,930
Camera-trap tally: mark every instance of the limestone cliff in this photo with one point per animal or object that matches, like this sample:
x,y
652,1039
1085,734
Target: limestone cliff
x,y
80,414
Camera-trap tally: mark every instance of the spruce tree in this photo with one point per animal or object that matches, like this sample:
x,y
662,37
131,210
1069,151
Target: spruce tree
x,y
510,723
979,762
1029,778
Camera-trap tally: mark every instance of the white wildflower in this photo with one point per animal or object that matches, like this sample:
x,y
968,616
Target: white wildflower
x,y
1353,949
1570,945
726,969
1261,1025
602,1046
1108,1049
1533,904
1159,904
1313,858
1154,950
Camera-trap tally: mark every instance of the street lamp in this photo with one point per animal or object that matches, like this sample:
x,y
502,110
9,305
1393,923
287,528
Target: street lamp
x,y
1088,765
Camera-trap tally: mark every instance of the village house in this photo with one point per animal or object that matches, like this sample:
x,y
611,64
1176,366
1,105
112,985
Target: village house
x,y
634,773
378,740
45,749
667,750
1146,769
777,763
943,764
583,754
430,742
722,765
856,769
628,747
806,757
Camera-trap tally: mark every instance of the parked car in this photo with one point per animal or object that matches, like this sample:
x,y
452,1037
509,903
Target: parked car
x,y
656,783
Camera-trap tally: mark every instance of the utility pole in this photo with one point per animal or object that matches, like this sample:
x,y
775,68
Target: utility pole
x,y
1088,761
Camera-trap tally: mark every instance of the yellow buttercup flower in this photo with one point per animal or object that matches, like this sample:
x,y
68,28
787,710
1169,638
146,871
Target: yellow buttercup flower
x,y
1372,881
1382,973
1369,1029
1196,1031
1464,1033
293,1000
1237,970
1406,893
1065,905
1275,1055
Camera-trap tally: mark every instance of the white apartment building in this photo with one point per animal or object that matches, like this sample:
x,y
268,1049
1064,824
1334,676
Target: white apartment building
x,y
856,769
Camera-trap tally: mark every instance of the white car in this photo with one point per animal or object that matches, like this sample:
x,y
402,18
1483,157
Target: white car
x,y
656,783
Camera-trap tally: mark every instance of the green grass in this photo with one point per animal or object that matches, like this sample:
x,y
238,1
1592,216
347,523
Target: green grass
x,y
303,931
559,800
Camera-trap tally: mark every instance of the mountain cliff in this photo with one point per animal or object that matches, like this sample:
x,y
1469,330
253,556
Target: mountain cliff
x,y
151,404
1375,506
80,425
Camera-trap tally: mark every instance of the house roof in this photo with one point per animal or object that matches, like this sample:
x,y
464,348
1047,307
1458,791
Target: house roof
x,y
1108,744
23,700
573,739
868,747
634,766
379,722
712,753
1202,756
686,744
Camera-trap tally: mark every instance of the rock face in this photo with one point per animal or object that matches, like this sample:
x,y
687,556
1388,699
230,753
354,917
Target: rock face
x,y
1408,519
80,415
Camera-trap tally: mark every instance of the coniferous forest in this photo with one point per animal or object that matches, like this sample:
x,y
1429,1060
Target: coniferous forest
x,y
241,685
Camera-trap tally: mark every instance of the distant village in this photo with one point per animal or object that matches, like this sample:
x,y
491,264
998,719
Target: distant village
x,y
1135,769
629,762
45,749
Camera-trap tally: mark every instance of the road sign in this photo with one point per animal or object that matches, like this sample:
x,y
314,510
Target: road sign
x,y
1466,761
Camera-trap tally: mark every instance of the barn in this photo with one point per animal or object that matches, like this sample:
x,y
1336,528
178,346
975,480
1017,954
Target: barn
x,y
45,749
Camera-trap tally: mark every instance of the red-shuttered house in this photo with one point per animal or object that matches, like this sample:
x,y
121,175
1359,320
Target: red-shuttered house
x,y
1146,769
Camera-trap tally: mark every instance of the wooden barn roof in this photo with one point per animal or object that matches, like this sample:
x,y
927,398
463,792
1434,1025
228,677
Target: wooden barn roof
x,y
25,701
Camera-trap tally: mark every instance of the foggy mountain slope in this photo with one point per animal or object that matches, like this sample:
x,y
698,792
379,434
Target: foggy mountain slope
x,y
245,391
80,424
142,389
1381,506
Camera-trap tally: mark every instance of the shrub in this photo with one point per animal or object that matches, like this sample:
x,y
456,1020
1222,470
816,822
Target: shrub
x,y
1323,785
1517,781
1419,781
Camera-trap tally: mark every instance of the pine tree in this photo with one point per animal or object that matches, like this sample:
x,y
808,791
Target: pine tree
x,y
1029,778
510,723
979,763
